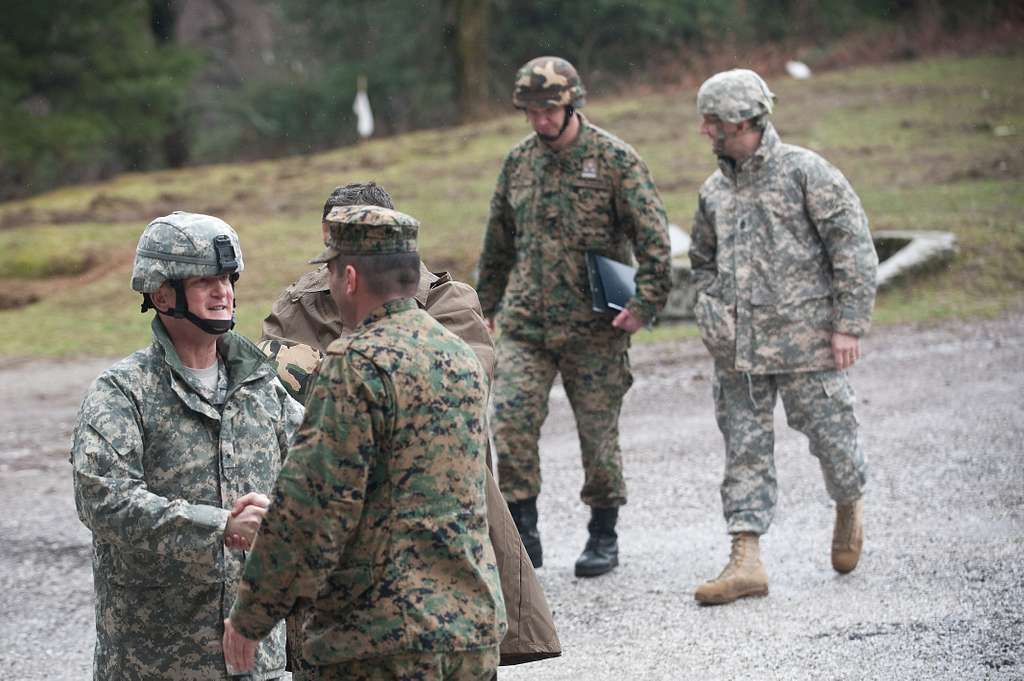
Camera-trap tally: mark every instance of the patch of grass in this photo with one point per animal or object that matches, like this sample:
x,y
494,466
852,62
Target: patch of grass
x,y
931,144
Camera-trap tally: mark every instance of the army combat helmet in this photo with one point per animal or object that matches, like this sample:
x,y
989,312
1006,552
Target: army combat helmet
x,y
182,245
548,81
735,96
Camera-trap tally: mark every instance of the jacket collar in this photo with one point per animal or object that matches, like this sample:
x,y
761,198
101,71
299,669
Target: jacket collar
x,y
388,309
764,154
243,361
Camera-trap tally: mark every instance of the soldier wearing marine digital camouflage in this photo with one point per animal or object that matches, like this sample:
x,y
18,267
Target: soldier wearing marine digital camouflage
x,y
784,266
378,517
305,320
173,453
567,189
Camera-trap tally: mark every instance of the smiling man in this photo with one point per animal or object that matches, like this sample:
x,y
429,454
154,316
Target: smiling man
x,y
175,449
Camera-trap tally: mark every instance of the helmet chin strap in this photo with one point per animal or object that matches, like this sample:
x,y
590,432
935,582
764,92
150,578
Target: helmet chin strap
x,y
214,327
569,112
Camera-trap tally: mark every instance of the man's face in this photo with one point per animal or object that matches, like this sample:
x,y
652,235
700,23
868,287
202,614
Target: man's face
x,y
723,135
210,297
546,121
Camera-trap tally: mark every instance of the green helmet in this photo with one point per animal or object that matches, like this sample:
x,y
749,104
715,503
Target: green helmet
x,y
735,96
183,245
548,81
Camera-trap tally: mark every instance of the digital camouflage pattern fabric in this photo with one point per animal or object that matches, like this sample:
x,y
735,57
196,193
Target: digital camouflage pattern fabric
x,y
477,665
367,230
181,245
735,96
378,516
781,257
595,379
549,208
819,404
548,81
157,468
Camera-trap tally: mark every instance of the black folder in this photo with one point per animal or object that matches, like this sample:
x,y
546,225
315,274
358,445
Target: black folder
x,y
612,283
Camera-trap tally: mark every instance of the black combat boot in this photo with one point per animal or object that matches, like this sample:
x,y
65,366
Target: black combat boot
x,y
602,552
524,513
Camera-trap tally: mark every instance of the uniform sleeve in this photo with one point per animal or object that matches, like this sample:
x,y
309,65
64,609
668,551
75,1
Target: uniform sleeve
x,y
836,212
110,489
318,499
703,249
499,252
274,323
642,214
292,413
457,307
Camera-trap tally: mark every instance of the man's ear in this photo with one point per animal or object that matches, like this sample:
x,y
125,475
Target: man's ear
x,y
352,282
163,298
324,229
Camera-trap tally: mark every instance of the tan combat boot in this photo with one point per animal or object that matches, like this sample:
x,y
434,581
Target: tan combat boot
x,y
848,536
743,576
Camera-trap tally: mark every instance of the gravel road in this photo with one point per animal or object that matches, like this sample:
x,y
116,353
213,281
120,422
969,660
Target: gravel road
x,y
939,593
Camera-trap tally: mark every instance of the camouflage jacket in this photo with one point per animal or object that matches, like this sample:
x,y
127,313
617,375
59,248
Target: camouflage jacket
x,y
781,257
549,208
378,516
305,312
156,470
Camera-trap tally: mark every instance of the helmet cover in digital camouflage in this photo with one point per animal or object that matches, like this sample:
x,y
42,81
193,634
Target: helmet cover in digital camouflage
x,y
735,96
182,245
548,81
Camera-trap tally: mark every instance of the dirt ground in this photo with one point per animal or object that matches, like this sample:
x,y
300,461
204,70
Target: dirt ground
x,y
939,593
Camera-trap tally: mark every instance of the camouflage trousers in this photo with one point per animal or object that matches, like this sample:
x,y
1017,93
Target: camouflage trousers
x,y
818,404
596,376
476,665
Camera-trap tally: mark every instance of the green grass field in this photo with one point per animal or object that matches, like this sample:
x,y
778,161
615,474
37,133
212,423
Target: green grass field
x,y
931,144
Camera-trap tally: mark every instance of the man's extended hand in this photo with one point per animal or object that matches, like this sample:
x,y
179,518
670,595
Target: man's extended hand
x,y
246,516
239,652
627,321
845,350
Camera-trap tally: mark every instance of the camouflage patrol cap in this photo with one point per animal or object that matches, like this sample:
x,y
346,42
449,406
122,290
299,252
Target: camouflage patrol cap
x,y
735,96
368,230
548,81
183,245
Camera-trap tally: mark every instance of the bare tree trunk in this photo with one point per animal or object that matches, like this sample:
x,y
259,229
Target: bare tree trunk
x,y
163,20
466,36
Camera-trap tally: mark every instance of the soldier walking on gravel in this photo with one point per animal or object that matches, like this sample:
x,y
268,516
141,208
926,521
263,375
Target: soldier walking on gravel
x,y
784,267
567,189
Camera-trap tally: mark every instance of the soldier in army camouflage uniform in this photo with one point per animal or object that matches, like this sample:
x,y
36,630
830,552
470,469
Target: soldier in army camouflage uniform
x,y
784,266
174,450
378,516
567,189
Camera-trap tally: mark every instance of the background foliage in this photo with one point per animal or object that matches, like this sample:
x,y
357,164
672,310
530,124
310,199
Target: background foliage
x,y
89,88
